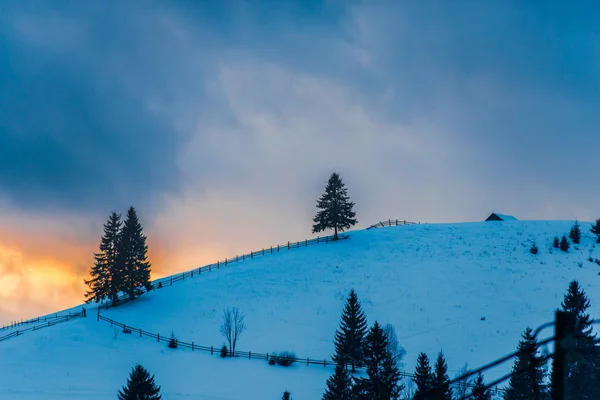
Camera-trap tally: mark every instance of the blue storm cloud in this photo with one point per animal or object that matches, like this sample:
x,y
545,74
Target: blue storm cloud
x,y
516,83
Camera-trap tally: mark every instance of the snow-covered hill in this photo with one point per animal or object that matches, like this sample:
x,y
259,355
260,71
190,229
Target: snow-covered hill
x,y
468,289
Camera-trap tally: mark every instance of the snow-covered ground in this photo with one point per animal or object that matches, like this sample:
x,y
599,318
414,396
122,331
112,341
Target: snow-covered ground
x,y
468,289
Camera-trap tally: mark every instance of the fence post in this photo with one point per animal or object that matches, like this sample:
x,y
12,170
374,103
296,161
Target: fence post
x,y
192,346
324,363
278,248
305,242
140,332
288,244
158,336
271,249
98,318
225,261
263,252
210,266
390,222
297,245
249,355
396,222
211,350
251,254
171,281
192,273
307,360
236,258
317,240
563,332
267,356
183,276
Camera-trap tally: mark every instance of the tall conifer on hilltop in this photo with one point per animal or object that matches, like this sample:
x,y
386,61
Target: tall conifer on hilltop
x,y
336,208
105,277
350,337
423,378
132,256
442,389
527,380
583,366
382,382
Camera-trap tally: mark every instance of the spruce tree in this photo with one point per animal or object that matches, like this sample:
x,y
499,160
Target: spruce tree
x,y
575,233
441,387
382,382
583,365
132,256
479,391
564,244
339,385
140,386
596,230
423,378
336,208
105,274
286,396
556,242
528,374
350,337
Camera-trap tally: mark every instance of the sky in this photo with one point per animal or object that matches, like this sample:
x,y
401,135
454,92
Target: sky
x,y
222,121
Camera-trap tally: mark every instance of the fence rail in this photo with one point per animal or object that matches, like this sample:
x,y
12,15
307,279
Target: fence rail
x,y
212,349
392,222
169,280
43,318
243,354
51,322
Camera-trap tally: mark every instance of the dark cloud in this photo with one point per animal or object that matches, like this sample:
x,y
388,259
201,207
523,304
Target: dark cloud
x,y
84,106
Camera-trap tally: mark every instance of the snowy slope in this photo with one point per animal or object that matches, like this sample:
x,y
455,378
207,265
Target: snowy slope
x,y
467,289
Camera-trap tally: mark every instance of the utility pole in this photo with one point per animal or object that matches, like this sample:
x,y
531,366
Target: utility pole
x,y
563,337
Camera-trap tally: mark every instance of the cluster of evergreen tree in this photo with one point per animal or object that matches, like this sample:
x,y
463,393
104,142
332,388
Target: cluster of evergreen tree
x,y
358,347
121,265
582,370
432,384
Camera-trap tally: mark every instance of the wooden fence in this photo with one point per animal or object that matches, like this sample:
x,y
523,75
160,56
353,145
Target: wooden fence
x,y
169,280
43,318
240,354
209,349
50,322
392,222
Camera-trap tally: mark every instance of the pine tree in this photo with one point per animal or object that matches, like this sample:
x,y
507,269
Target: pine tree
x,y
479,391
105,275
556,242
132,256
140,386
286,396
596,230
564,244
423,377
583,368
339,385
575,233
528,374
336,208
382,382
350,337
442,389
